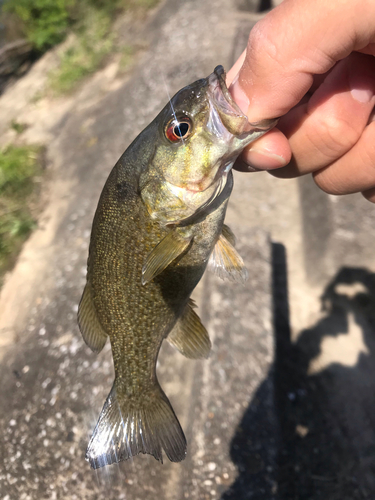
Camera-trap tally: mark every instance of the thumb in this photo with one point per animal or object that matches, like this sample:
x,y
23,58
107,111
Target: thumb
x,y
294,42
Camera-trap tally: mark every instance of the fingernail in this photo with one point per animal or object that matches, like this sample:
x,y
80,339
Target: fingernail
x,y
362,95
262,160
239,95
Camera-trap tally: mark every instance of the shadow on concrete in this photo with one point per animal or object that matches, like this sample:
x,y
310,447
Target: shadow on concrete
x,y
324,392
254,5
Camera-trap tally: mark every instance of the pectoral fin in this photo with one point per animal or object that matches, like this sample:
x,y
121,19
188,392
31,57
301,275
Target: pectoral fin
x,y
228,234
91,329
226,262
163,254
189,336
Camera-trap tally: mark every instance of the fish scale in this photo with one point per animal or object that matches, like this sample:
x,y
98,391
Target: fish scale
x,y
129,326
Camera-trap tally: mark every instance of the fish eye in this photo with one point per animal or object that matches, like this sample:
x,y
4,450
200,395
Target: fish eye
x,y
178,129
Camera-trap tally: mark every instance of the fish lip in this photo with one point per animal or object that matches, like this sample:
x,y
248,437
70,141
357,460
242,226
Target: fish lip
x,y
217,80
225,105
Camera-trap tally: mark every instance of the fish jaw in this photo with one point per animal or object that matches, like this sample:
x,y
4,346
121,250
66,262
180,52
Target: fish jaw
x,y
227,119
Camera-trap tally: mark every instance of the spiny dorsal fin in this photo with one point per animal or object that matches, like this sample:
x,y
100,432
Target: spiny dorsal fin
x,y
163,254
91,329
189,336
128,425
228,234
226,262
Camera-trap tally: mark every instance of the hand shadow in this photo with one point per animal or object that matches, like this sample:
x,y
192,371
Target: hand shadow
x,y
317,441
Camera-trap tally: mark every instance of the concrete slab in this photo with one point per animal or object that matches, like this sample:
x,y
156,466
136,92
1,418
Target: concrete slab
x,y
232,425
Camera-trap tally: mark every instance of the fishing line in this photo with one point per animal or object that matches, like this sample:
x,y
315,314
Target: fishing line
x,y
170,101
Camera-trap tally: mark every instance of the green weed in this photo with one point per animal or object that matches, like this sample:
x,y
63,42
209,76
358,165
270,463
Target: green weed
x,y
18,127
92,43
19,166
44,22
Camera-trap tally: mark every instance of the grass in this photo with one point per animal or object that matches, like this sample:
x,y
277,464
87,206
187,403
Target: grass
x,y
19,170
45,23
85,54
18,127
94,40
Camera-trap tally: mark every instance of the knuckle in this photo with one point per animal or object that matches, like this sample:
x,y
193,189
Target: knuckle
x,y
354,172
334,136
262,44
328,183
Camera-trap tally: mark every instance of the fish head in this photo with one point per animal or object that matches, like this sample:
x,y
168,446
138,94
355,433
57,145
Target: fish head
x,y
201,132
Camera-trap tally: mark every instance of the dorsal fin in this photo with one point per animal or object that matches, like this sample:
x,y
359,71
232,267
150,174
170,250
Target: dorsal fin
x,y
91,329
163,254
189,336
226,262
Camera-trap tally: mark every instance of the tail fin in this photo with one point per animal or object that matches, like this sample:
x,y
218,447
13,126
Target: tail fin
x,y
130,426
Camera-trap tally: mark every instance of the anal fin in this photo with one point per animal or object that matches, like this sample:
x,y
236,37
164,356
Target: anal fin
x,y
226,262
170,247
189,336
91,329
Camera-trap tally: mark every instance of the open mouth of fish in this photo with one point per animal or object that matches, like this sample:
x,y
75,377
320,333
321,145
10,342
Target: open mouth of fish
x,y
227,121
226,118
232,119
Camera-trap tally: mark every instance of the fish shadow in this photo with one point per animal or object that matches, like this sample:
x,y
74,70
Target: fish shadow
x,y
309,431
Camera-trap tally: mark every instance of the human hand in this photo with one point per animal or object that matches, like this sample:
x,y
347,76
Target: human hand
x,y
312,63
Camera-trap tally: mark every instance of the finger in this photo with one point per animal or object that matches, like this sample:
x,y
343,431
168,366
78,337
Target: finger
x,y
298,39
325,128
233,72
369,194
317,81
355,171
267,153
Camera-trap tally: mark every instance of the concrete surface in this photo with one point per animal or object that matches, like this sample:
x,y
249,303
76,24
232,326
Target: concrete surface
x,y
232,426
285,407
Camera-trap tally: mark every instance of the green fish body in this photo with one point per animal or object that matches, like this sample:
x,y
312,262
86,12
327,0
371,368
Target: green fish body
x,y
159,221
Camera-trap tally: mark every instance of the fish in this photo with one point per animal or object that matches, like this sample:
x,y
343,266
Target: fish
x,y
159,223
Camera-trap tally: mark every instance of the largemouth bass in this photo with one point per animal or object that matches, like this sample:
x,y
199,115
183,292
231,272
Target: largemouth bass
x,y
158,223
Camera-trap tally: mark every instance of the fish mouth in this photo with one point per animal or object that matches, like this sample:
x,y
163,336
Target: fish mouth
x,y
229,113
227,122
